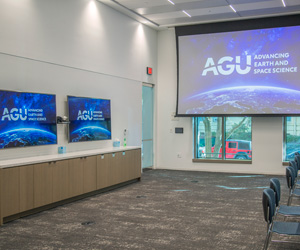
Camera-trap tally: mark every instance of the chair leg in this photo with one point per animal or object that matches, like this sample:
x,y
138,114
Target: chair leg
x,y
290,200
267,240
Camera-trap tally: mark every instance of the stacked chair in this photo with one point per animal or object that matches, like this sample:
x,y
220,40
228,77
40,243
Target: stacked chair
x,y
272,208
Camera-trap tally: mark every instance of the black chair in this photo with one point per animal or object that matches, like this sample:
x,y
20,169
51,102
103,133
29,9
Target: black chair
x,y
283,210
290,179
294,165
297,160
279,227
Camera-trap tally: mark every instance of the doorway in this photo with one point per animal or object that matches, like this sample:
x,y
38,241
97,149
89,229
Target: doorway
x,y
147,126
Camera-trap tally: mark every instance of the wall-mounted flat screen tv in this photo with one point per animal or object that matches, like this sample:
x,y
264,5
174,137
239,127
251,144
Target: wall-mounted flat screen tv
x,y
90,119
27,119
249,67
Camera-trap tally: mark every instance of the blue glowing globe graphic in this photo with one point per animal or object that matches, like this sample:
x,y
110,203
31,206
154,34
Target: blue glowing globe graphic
x,y
245,100
90,133
26,137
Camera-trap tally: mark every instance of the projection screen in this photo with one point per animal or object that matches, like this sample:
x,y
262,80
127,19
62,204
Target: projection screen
x,y
254,71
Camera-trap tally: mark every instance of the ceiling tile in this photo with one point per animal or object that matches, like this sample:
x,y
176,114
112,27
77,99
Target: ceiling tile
x,y
258,6
187,5
165,14
197,19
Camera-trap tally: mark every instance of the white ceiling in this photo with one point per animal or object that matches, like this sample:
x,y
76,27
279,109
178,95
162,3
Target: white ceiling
x,y
161,14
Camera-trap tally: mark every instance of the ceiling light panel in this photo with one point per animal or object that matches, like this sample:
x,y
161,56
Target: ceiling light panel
x,y
186,13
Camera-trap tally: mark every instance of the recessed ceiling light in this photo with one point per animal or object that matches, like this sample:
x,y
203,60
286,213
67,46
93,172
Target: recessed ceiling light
x,y
283,2
186,13
232,8
171,2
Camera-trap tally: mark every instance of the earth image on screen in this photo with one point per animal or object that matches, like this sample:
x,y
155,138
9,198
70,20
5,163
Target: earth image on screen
x,y
245,100
90,133
26,137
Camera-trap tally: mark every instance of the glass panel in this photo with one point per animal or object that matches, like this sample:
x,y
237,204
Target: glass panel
x,y
208,137
147,154
231,145
147,113
147,127
292,137
238,138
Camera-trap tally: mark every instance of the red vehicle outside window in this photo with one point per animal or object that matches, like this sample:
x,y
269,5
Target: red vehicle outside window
x,y
237,149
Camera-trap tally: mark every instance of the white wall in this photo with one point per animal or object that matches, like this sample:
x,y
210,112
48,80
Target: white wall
x,y
266,131
81,48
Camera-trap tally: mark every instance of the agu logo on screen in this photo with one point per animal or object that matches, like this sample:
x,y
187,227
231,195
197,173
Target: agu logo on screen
x,y
226,66
14,114
85,115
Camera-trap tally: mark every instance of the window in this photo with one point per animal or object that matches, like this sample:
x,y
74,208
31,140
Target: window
x,y
232,145
291,137
211,133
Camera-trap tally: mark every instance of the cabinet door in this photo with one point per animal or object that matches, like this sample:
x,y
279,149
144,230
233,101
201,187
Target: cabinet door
x,y
60,172
10,191
137,163
89,173
43,184
76,177
103,171
115,165
126,165
26,188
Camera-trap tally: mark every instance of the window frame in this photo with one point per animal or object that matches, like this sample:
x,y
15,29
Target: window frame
x,y
223,159
284,138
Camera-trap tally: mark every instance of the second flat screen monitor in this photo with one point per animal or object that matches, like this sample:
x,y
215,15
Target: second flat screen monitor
x,y
90,119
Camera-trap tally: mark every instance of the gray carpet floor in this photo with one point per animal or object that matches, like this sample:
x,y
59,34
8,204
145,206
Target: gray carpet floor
x,y
165,210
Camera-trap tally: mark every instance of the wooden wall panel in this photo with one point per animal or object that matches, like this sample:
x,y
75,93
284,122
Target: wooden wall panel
x,y
137,163
103,171
43,184
26,188
89,174
60,180
75,177
10,191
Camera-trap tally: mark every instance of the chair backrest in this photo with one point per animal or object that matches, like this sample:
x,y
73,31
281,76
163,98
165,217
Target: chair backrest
x,y
293,164
268,202
297,159
290,177
275,186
